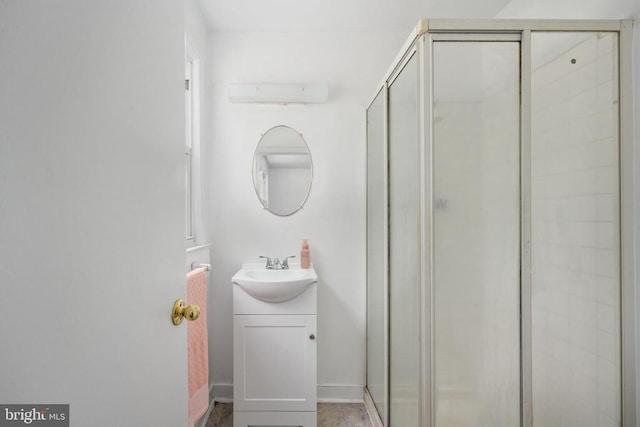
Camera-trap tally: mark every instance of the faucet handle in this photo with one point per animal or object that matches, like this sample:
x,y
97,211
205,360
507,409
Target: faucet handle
x,y
285,262
269,265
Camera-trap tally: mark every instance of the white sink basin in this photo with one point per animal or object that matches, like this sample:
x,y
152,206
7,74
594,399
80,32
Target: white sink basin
x,y
274,285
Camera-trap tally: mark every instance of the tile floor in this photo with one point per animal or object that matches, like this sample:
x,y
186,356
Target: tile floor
x,y
329,415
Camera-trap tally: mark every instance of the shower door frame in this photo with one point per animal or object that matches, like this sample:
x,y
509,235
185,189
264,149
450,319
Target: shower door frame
x,y
420,43
368,399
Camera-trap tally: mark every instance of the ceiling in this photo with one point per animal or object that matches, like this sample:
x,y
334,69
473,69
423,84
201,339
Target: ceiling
x,y
392,15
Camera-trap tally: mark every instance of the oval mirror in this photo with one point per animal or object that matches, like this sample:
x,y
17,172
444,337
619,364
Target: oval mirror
x,y
282,170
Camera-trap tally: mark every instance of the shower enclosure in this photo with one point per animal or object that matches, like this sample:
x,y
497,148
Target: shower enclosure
x,y
500,279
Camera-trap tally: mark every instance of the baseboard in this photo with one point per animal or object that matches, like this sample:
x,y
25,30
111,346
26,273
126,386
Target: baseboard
x,y
345,393
222,392
371,410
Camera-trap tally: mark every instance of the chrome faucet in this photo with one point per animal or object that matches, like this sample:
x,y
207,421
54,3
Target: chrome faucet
x,y
269,265
276,264
285,263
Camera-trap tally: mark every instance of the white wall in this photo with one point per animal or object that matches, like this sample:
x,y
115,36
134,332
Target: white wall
x,y
333,218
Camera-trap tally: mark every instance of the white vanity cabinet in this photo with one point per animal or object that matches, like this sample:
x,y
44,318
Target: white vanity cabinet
x,y
274,356
276,363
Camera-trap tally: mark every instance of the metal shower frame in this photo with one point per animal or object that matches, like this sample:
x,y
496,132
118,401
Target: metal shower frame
x,y
419,43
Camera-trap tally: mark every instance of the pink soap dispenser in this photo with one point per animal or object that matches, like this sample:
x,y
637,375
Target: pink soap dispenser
x,y
305,256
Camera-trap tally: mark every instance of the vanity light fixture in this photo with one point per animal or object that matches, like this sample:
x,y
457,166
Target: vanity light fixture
x,y
278,93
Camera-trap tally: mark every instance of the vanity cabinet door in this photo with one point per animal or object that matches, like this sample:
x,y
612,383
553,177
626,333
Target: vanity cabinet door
x,y
274,363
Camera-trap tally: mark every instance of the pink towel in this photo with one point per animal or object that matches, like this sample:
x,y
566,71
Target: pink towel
x,y
198,365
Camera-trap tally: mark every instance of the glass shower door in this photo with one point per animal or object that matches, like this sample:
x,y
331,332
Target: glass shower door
x,y
376,255
404,248
476,233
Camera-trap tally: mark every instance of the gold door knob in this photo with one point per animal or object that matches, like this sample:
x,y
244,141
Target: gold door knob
x,y
181,310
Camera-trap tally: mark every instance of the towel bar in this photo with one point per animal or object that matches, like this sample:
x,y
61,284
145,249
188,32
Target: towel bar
x,y
194,265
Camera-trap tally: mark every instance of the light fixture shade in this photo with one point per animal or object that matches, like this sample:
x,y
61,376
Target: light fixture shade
x,y
278,93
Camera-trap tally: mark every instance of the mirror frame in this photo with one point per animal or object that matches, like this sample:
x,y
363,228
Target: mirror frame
x,y
253,171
